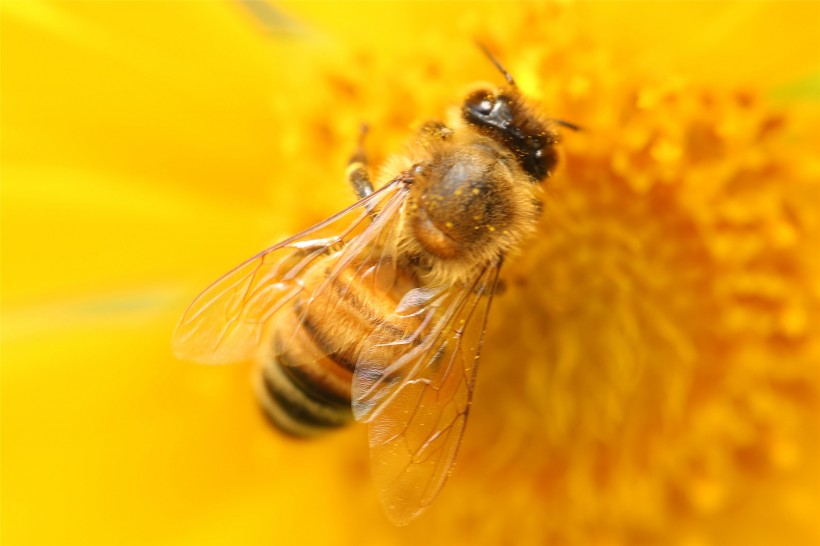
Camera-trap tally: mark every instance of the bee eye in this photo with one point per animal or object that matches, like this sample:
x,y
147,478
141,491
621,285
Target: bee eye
x,y
484,107
480,103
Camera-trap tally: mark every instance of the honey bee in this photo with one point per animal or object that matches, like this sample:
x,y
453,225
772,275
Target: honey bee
x,y
377,314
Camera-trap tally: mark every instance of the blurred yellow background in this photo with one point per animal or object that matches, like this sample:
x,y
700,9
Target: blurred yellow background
x,y
650,376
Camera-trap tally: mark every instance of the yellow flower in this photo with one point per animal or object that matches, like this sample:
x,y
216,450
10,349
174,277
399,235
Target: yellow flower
x,y
650,375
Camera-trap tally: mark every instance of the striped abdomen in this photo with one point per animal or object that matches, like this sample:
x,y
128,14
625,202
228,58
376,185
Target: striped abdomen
x,y
304,385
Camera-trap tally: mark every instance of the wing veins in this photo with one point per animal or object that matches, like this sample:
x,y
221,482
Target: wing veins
x,y
448,428
435,336
412,462
368,202
349,252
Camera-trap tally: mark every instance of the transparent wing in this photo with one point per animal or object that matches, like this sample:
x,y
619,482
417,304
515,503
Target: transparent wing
x,y
413,384
227,321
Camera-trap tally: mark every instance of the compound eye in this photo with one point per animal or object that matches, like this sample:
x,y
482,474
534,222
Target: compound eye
x,y
481,103
484,107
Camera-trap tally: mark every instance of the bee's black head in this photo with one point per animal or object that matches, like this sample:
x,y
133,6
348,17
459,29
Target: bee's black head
x,y
504,117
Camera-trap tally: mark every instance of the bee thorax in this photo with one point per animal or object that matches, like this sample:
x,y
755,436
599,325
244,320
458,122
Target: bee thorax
x,y
465,202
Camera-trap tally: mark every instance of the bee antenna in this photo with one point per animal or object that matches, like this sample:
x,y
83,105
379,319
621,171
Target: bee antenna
x,y
567,124
495,62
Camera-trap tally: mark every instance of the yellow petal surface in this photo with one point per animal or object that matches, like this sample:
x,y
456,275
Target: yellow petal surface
x,y
650,374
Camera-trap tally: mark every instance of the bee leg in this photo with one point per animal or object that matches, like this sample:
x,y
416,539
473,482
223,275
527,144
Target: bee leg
x,y
357,169
499,288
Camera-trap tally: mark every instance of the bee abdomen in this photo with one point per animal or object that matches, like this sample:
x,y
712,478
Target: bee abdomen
x,y
295,406
304,386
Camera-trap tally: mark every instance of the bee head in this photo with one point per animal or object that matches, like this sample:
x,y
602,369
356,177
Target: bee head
x,y
504,117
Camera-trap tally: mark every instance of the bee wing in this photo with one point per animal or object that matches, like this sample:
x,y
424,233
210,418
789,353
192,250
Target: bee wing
x,y
413,384
225,323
